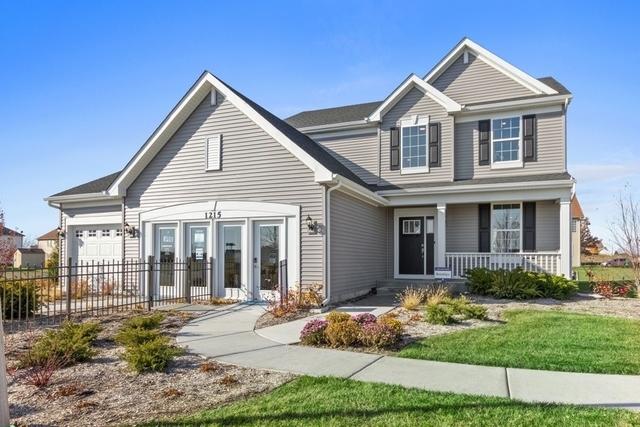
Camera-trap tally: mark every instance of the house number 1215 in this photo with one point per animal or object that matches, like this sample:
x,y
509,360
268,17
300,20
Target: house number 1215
x,y
213,214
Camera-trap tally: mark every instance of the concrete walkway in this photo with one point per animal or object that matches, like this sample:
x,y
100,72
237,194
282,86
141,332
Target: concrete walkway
x,y
227,334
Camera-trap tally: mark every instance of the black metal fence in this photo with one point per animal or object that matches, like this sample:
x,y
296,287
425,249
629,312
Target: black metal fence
x,y
49,295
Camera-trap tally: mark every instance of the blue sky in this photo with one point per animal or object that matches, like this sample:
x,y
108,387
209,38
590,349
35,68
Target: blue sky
x,y
83,84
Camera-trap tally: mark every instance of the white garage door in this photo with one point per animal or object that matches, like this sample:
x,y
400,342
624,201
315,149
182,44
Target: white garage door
x,y
98,243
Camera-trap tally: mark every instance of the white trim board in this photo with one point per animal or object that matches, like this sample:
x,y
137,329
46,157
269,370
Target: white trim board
x,y
466,45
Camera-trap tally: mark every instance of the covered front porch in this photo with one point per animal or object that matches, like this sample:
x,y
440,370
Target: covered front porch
x,y
499,230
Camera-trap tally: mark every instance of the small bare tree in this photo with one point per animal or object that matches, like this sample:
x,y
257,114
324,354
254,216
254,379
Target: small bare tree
x,y
625,231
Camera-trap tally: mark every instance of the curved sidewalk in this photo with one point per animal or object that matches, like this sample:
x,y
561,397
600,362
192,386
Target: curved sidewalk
x,y
227,334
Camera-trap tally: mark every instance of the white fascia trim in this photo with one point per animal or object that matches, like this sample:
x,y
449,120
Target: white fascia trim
x,y
493,60
336,126
203,86
472,188
360,190
466,117
410,82
87,197
492,106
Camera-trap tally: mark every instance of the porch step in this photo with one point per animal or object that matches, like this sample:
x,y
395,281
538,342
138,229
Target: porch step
x,y
394,286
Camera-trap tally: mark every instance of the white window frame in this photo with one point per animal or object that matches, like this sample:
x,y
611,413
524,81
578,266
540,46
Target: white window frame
x,y
521,228
412,122
409,226
509,163
92,233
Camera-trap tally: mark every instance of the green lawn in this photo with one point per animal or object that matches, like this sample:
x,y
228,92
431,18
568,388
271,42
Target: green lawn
x,y
336,402
551,340
604,273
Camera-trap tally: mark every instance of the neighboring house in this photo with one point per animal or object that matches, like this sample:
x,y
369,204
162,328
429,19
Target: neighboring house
x,y
28,257
577,216
465,167
9,241
48,242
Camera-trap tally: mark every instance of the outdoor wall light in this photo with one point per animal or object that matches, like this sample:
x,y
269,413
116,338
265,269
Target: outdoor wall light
x,y
311,224
131,231
61,233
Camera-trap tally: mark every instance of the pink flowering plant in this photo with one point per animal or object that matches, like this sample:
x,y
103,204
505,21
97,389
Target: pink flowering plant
x,y
365,318
313,332
378,335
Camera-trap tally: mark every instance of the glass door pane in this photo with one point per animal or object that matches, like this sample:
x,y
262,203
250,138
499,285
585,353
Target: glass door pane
x,y
198,253
269,257
167,255
232,258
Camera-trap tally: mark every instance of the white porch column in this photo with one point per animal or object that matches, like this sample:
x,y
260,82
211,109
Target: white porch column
x,y
565,237
441,235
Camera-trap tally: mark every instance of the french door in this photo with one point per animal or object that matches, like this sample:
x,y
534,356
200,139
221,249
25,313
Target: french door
x,y
268,251
232,268
166,257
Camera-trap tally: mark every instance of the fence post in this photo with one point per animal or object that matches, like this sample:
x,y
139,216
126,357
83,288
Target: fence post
x,y
69,261
187,283
150,283
211,278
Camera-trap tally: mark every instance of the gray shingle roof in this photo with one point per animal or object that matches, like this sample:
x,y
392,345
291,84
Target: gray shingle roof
x,y
6,231
325,116
555,85
95,186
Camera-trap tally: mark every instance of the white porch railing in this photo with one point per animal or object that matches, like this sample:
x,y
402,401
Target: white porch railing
x,y
460,262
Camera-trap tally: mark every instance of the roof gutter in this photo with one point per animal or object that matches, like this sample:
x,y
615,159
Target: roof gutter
x,y
359,190
55,201
492,106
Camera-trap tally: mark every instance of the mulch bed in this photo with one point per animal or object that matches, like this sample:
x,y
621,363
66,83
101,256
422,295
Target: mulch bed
x,y
105,391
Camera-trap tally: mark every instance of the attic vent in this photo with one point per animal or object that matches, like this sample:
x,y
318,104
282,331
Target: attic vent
x,y
465,57
213,153
214,97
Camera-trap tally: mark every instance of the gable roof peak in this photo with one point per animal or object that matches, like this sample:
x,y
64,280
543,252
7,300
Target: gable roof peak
x,y
492,60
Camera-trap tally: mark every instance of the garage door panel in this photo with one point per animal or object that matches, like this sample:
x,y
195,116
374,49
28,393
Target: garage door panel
x,y
97,243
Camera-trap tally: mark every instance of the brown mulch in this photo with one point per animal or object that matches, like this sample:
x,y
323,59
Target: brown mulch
x,y
105,391
268,319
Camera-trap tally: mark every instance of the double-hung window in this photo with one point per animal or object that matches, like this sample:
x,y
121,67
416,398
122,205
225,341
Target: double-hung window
x,y
414,145
506,221
505,142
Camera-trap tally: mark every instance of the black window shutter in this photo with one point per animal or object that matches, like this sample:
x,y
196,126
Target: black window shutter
x,y
434,144
529,124
484,138
529,226
394,154
484,228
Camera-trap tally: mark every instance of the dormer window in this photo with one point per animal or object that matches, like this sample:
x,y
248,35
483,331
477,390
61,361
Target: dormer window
x,y
505,142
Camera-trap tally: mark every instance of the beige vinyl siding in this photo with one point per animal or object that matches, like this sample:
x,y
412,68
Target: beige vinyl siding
x,y
550,150
390,243
477,81
417,103
255,167
358,249
462,228
547,226
359,152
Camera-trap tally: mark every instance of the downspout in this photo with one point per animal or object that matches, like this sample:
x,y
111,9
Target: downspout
x,y
327,244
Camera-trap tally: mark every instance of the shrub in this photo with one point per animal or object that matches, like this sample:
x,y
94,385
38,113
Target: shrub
x,y
473,311
479,280
437,295
338,317
342,333
20,299
623,289
128,336
365,318
152,355
313,332
392,322
411,298
39,375
70,344
144,322
440,314
519,284
378,335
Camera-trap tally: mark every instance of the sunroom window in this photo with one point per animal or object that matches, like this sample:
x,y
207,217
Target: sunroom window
x,y
506,228
505,137
414,147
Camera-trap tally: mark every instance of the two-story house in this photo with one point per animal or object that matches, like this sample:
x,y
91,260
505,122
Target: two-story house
x,y
463,167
